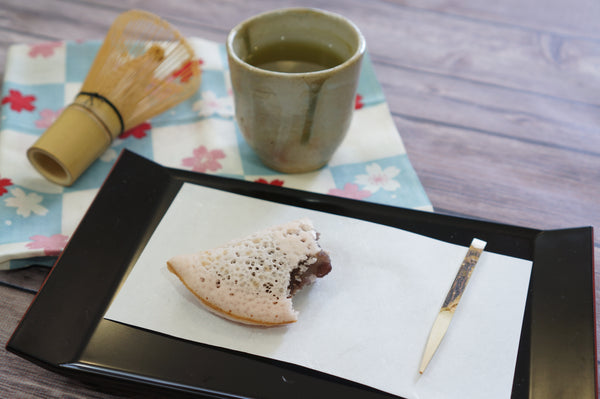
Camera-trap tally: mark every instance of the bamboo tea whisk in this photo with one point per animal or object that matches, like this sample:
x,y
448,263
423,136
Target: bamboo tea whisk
x,y
143,68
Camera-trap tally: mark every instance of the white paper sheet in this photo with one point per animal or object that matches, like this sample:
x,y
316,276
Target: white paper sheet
x,y
367,321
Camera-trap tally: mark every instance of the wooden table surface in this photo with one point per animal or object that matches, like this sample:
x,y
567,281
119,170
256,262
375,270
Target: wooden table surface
x,y
498,104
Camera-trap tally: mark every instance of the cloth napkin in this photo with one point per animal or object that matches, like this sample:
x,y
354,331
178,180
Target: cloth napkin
x,y
38,217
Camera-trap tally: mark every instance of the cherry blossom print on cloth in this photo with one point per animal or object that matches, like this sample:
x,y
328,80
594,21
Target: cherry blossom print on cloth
x,y
358,102
210,105
350,190
185,72
138,132
44,49
201,134
26,204
109,155
274,182
377,178
52,245
4,182
47,118
18,102
204,160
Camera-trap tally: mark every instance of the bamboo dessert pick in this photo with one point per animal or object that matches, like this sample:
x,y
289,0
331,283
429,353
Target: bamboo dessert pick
x,y
144,67
442,321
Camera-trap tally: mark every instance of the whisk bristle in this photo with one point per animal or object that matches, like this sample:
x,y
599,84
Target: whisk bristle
x,y
139,67
143,68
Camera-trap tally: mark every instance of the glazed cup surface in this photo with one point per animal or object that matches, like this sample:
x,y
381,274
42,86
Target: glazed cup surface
x,y
295,120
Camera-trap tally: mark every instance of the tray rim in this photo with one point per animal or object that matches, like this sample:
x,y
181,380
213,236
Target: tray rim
x,y
134,171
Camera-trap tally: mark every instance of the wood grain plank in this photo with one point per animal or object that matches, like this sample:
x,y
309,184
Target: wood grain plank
x,y
492,109
539,62
23,379
437,94
545,62
497,104
503,179
29,279
574,18
495,55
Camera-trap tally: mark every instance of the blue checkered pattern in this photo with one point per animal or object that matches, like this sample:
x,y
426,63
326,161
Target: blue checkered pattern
x,y
37,217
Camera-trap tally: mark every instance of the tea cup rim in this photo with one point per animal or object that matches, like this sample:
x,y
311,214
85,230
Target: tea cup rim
x,y
355,57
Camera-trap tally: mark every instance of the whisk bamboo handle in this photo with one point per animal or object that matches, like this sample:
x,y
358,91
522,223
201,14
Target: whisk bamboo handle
x,y
143,68
82,132
102,107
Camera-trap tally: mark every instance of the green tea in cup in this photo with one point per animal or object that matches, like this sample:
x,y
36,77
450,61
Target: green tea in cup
x,y
294,74
294,57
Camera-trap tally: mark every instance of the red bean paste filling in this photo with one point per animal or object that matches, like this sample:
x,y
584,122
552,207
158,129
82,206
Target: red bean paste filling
x,y
319,269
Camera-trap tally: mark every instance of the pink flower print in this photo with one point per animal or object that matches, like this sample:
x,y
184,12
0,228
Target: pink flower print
x,y
47,118
210,104
44,49
186,72
18,102
3,184
274,182
52,245
139,131
204,160
350,190
377,178
358,102
26,204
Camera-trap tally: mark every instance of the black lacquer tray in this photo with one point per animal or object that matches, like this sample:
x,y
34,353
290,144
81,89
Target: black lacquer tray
x,y
64,329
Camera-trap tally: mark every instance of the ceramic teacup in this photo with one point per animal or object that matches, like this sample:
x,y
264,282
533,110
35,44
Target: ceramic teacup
x,y
294,74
